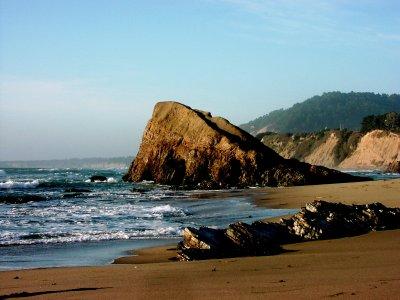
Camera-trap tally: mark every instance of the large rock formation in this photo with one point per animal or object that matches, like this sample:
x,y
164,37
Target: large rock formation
x,y
317,220
184,146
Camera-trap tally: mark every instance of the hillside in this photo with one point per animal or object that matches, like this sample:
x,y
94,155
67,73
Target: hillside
x,y
328,111
341,149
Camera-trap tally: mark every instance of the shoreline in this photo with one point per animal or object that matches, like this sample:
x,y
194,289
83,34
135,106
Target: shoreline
x,y
360,266
299,196
364,266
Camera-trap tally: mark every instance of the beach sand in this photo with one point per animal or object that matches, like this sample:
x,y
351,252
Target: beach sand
x,y
384,191
365,266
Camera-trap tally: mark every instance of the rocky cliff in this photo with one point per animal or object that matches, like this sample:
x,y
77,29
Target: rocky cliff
x,y
341,149
187,147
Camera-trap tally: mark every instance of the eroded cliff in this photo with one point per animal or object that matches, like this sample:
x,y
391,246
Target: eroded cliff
x,y
378,149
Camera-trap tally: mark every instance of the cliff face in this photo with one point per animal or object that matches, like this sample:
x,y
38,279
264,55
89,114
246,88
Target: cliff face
x,y
183,146
377,149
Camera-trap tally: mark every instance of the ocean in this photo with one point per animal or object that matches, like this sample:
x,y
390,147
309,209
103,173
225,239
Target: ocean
x,y
66,220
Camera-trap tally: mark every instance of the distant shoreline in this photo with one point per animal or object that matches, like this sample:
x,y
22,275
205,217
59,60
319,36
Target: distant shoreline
x,y
90,162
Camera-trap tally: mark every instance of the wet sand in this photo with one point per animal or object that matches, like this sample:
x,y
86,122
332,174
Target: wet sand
x,y
365,266
384,191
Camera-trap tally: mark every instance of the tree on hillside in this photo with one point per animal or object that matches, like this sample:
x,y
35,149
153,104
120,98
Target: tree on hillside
x,y
330,110
389,121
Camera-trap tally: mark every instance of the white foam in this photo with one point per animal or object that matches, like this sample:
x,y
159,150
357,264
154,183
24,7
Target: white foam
x,y
61,237
9,184
163,209
147,182
109,180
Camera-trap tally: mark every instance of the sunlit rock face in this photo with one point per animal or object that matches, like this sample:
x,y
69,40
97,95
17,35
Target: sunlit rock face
x,y
188,147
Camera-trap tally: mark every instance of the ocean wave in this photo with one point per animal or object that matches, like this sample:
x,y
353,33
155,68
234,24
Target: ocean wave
x,y
8,239
10,184
2,173
164,209
361,171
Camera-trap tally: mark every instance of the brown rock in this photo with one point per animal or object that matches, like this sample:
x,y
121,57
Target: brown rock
x,y
394,167
183,146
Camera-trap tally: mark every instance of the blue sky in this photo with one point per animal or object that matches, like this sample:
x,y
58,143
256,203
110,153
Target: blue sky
x,y
80,78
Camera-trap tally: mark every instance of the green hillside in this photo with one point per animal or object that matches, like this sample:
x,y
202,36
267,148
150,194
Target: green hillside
x,y
328,111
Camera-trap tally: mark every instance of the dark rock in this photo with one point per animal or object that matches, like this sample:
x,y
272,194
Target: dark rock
x,y
393,167
240,239
100,178
20,198
326,220
186,147
252,239
317,220
203,243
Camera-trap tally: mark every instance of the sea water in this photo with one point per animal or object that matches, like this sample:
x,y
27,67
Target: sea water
x,y
106,219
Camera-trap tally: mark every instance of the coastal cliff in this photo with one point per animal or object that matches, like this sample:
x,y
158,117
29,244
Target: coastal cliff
x,y
191,148
341,149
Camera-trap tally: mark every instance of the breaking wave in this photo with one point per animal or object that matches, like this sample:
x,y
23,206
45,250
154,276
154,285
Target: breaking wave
x,y
9,239
10,184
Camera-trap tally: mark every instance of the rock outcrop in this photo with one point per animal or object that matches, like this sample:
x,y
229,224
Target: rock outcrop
x,y
317,220
98,178
187,147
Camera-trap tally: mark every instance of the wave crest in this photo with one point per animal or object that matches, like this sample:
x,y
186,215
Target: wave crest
x,y
10,184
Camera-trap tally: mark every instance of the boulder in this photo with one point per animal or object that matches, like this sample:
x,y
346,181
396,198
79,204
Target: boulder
x,y
98,178
317,220
240,239
186,147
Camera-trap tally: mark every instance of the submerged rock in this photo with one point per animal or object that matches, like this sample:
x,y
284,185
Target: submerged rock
x,y
317,220
187,147
96,178
20,198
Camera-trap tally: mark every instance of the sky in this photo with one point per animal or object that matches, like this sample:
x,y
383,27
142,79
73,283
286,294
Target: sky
x,y
80,78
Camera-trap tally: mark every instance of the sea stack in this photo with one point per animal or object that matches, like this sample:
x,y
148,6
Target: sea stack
x,y
187,147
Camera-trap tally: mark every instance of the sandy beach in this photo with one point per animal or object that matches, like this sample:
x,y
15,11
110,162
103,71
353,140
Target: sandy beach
x,y
384,191
365,266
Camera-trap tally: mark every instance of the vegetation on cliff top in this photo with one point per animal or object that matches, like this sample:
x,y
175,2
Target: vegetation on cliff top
x,y
389,121
328,111
301,145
